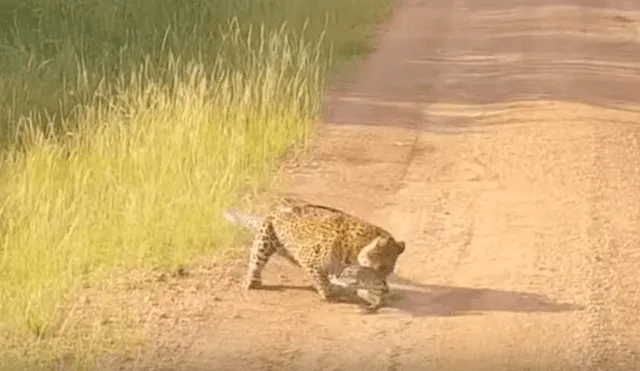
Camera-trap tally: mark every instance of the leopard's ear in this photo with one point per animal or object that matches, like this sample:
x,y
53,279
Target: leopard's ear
x,y
401,247
366,254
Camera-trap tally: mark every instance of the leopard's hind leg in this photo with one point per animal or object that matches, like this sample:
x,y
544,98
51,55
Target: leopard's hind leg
x,y
265,244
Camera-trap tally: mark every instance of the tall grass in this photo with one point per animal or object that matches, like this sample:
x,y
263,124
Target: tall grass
x,y
55,54
139,180
125,126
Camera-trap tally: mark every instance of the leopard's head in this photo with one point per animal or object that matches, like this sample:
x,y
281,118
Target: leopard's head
x,y
381,254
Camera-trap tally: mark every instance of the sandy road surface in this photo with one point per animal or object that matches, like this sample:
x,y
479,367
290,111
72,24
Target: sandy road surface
x,y
501,140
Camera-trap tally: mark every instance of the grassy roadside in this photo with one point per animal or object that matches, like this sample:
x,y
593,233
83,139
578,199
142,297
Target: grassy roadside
x,y
125,126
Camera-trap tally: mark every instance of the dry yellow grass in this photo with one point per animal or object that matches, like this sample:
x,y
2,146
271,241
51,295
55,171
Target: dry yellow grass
x,y
122,141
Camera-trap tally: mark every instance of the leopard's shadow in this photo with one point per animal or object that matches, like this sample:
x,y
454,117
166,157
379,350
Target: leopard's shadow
x,y
265,287
419,299
343,298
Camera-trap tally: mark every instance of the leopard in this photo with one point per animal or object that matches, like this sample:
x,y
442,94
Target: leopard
x,y
366,284
321,240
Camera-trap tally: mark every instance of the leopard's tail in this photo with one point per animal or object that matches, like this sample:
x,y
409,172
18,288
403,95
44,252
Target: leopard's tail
x,y
249,221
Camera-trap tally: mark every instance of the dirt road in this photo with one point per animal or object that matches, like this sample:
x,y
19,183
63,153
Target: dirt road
x,y
501,140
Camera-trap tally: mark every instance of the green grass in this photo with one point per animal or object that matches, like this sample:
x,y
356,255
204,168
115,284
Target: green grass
x,y
125,127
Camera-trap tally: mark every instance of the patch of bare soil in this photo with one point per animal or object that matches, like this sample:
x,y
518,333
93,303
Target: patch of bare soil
x,y
500,139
